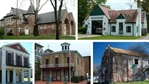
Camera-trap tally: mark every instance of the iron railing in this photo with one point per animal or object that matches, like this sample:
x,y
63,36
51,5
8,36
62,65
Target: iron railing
x,y
57,65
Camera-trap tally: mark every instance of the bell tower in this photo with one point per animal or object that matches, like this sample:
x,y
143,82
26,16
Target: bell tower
x,y
65,46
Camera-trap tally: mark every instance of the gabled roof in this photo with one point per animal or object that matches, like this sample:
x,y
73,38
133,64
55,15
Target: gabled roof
x,y
127,52
17,46
112,15
49,17
48,50
65,43
13,12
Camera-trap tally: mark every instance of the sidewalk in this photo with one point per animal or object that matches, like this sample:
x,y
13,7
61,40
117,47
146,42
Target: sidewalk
x,y
44,82
85,36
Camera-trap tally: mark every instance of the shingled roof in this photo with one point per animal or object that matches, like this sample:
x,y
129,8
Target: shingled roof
x,y
127,52
30,10
13,12
112,15
49,17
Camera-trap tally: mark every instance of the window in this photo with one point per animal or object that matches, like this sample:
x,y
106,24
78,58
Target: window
x,y
56,62
113,29
9,59
62,47
78,61
120,27
65,47
128,29
136,61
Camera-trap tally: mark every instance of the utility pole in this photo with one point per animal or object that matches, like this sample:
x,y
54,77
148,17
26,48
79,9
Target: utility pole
x,y
16,16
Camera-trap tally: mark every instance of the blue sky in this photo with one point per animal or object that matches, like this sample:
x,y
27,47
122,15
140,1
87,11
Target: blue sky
x,y
100,47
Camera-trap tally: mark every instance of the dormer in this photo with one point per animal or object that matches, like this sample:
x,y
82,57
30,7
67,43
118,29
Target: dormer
x,y
121,16
65,46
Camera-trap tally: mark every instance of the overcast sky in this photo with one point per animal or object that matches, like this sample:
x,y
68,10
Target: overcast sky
x,y
5,6
82,47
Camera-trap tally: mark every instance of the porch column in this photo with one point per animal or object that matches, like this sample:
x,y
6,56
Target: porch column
x,y
8,76
3,76
29,75
22,74
41,75
14,76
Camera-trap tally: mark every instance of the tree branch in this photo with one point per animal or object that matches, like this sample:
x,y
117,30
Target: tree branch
x,y
52,4
42,5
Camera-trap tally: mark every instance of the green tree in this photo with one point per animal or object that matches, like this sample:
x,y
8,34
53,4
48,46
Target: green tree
x,y
37,69
145,7
84,8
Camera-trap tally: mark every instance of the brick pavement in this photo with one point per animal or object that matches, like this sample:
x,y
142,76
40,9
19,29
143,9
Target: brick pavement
x,y
44,82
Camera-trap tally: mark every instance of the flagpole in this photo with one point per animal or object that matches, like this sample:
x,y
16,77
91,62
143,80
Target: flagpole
x,y
69,68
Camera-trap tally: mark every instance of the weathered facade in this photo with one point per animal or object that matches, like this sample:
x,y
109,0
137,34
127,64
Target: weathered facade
x,y
46,22
117,66
56,65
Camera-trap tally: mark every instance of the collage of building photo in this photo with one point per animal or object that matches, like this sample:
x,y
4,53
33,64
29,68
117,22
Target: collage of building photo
x,y
74,42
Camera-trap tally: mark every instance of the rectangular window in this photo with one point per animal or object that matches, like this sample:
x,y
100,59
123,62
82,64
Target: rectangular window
x,y
113,29
136,61
56,62
128,29
9,59
67,61
18,60
121,28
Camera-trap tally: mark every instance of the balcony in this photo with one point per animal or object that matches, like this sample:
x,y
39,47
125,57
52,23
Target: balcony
x,y
57,65
18,64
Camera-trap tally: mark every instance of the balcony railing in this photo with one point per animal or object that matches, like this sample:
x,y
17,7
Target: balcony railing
x,y
17,64
57,65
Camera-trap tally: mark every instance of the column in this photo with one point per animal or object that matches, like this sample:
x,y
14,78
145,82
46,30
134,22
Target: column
x,y
29,75
14,76
22,60
14,58
3,76
8,76
4,58
41,75
22,76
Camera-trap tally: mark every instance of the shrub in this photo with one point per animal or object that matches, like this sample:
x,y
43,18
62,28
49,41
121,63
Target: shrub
x,y
10,34
82,30
75,79
1,31
22,33
81,78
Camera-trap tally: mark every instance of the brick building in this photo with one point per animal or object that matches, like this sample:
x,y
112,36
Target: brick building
x,y
46,22
56,65
87,65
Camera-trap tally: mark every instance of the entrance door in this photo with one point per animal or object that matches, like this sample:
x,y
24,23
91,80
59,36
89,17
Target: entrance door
x,y
56,62
11,76
56,75
97,27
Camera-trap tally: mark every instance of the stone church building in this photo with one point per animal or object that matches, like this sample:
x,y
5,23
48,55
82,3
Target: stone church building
x,y
46,22
119,65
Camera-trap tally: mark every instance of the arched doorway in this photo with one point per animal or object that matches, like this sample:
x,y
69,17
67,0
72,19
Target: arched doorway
x,y
66,27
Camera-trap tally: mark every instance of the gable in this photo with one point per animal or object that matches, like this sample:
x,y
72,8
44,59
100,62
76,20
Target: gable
x,y
18,47
97,11
121,16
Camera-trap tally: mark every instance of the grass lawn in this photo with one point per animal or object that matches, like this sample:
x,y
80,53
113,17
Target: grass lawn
x,y
29,37
137,82
110,38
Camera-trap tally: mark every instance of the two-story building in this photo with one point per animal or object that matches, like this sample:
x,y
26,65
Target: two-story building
x,y
14,62
119,65
60,64
19,21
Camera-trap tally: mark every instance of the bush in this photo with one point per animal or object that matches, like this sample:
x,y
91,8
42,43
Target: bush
x,y
75,79
1,31
81,78
10,34
22,33
82,30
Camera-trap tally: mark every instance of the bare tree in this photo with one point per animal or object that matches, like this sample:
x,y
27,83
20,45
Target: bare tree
x,y
57,12
131,4
141,48
37,7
